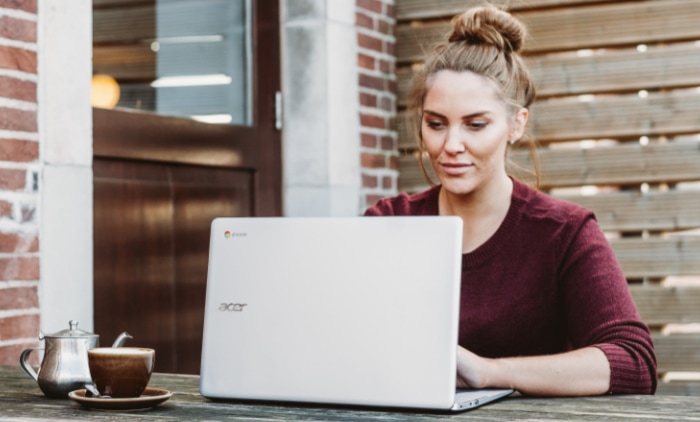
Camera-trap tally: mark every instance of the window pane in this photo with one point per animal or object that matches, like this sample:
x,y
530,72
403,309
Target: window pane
x,y
193,62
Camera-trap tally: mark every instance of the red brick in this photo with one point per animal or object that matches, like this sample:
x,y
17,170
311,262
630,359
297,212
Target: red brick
x,y
5,209
18,151
387,182
17,89
371,5
17,59
374,82
390,11
16,242
17,29
21,268
21,120
365,61
370,42
386,66
390,48
370,120
364,21
12,179
368,140
20,326
25,5
385,27
369,181
394,163
372,161
10,354
387,104
368,100
392,85
387,143
19,298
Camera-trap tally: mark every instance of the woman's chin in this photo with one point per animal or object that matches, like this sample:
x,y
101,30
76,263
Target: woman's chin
x,y
457,187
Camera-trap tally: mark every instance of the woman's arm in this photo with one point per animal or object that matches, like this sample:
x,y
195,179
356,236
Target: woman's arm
x,y
581,372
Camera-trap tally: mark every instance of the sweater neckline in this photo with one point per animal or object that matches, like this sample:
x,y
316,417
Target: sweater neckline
x,y
495,243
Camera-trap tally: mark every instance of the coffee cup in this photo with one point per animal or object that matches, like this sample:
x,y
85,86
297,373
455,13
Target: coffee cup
x,y
121,372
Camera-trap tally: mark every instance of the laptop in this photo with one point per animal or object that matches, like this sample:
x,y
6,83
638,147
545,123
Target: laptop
x,y
359,311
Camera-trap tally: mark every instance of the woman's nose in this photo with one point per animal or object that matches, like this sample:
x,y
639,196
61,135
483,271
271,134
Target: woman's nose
x,y
453,141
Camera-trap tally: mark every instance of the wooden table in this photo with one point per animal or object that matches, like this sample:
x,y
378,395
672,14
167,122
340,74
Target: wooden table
x,y
21,399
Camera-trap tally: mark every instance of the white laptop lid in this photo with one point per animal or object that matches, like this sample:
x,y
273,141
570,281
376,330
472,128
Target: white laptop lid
x,y
359,311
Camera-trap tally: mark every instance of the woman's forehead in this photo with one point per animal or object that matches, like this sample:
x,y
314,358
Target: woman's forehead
x,y
465,87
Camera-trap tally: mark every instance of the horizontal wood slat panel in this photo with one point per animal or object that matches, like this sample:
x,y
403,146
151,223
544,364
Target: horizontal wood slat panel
x,y
124,25
576,28
660,305
677,352
559,75
671,113
622,70
623,164
421,9
404,131
678,388
658,257
637,211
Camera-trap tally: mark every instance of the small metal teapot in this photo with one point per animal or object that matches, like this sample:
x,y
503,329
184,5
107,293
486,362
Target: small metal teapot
x,y
64,367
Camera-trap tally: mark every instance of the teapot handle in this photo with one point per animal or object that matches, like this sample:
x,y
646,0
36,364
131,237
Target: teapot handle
x,y
26,366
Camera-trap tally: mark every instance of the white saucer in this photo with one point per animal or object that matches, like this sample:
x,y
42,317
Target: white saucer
x,y
151,397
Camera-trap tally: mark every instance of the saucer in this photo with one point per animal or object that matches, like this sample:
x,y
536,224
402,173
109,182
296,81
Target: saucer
x,y
151,397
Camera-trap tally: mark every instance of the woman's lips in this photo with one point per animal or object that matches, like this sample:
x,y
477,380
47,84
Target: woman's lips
x,y
455,169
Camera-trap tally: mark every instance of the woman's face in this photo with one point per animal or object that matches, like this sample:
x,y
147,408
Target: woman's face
x,y
465,129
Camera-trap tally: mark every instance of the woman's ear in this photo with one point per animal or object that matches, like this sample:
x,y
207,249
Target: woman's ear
x,y
519,123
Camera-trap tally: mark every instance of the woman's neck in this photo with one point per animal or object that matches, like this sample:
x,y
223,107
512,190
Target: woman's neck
x,y
482,211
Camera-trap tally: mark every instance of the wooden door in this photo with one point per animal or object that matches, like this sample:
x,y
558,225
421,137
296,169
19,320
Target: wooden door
x,y
159,181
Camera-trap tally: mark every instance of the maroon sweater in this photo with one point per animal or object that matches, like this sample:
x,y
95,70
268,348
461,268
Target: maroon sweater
x,y
546,282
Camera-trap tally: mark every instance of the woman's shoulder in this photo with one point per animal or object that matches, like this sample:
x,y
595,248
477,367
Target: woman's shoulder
x,y
541,206
422,203
546,220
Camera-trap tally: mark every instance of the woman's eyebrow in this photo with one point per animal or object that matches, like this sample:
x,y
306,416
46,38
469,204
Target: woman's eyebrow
x,y
468,116
433,113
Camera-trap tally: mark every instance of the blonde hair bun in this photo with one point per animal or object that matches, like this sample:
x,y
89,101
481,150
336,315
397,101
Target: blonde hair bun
x,y
489,25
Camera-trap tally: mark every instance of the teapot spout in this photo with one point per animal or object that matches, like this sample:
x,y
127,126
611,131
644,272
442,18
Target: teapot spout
x,y
123,337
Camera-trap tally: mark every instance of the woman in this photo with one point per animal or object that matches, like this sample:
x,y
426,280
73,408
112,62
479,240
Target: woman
x,y
548,308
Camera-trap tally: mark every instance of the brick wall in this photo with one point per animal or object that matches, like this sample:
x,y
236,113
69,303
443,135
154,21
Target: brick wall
x,y
19,156
377,82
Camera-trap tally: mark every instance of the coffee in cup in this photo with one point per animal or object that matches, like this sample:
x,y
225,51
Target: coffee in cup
x,y
121,372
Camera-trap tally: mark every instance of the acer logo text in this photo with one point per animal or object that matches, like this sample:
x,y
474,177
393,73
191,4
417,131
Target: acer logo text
x,y
232,307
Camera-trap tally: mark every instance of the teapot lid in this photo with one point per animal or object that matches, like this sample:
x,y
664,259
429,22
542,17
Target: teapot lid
x,y
73,331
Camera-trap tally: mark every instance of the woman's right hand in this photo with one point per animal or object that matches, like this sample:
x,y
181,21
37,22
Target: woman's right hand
x,y
472,369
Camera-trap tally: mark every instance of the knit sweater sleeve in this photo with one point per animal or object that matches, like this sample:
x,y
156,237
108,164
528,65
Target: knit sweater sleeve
x,y
600,311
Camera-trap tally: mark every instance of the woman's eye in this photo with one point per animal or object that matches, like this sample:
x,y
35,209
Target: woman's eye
x,y
434,124
477,125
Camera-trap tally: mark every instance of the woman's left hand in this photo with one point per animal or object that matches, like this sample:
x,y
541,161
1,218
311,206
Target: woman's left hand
x,y
582,372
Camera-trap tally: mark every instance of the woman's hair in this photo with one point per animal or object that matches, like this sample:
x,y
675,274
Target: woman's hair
x,y
486,41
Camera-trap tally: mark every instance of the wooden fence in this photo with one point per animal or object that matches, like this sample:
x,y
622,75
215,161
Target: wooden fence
x,y
618,123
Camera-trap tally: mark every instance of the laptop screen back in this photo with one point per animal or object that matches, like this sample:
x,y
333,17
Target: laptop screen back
x,y
360,311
